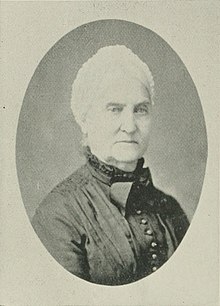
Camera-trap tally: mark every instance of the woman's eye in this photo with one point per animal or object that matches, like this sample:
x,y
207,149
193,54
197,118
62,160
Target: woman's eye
x,y
115,109
141,110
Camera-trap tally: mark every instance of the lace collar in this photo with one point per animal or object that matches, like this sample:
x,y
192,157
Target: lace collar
x,y
112,174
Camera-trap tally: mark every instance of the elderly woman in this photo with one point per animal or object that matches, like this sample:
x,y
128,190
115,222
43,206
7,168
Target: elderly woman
x,y
107,223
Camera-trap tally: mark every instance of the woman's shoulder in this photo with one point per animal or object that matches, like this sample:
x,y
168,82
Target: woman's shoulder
x,y
68,190
76,181
172,211
168,204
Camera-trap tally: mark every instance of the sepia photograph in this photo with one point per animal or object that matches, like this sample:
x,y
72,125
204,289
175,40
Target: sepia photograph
x,y
110,156
106,92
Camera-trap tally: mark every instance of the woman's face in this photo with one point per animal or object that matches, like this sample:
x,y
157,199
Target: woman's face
x,y
118,123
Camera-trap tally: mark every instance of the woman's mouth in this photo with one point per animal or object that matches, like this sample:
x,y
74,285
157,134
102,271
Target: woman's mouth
x,y
127,141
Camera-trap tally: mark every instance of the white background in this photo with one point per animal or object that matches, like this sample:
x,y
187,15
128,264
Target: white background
x,y
29,275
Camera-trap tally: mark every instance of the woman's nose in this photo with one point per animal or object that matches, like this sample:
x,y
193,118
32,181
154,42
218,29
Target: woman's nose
x,y
128,123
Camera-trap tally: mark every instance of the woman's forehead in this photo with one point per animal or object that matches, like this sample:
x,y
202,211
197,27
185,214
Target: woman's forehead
x,y
125,90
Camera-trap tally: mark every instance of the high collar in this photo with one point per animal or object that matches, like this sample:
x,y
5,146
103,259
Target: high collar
x,y
109,174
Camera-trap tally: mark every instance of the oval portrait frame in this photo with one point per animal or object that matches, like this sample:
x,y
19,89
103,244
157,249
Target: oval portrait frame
x,y
48,144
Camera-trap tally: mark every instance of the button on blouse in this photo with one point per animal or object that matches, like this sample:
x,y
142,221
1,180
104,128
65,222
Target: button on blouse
x,y
104,241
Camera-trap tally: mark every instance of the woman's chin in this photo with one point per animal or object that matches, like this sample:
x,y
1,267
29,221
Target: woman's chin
x,y
126,155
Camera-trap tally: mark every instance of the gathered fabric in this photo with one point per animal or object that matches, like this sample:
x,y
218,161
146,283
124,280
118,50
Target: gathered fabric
x,y
108,226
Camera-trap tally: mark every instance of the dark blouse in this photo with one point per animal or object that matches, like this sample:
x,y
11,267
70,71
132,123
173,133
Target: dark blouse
x,y
108,226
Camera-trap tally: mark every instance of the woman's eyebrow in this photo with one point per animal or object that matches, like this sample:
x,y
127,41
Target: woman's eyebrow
x,y
143,103
115,104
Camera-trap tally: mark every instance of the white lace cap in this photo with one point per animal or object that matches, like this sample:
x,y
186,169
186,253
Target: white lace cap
x,y
110,61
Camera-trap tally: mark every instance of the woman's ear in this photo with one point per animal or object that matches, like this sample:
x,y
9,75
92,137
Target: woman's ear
x,y
84,140
85,123
84,128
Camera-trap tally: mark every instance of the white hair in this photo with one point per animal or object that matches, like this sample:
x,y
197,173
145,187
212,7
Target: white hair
x,y
110,60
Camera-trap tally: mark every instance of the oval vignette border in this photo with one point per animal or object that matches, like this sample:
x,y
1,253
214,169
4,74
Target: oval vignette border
x,y
48,139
